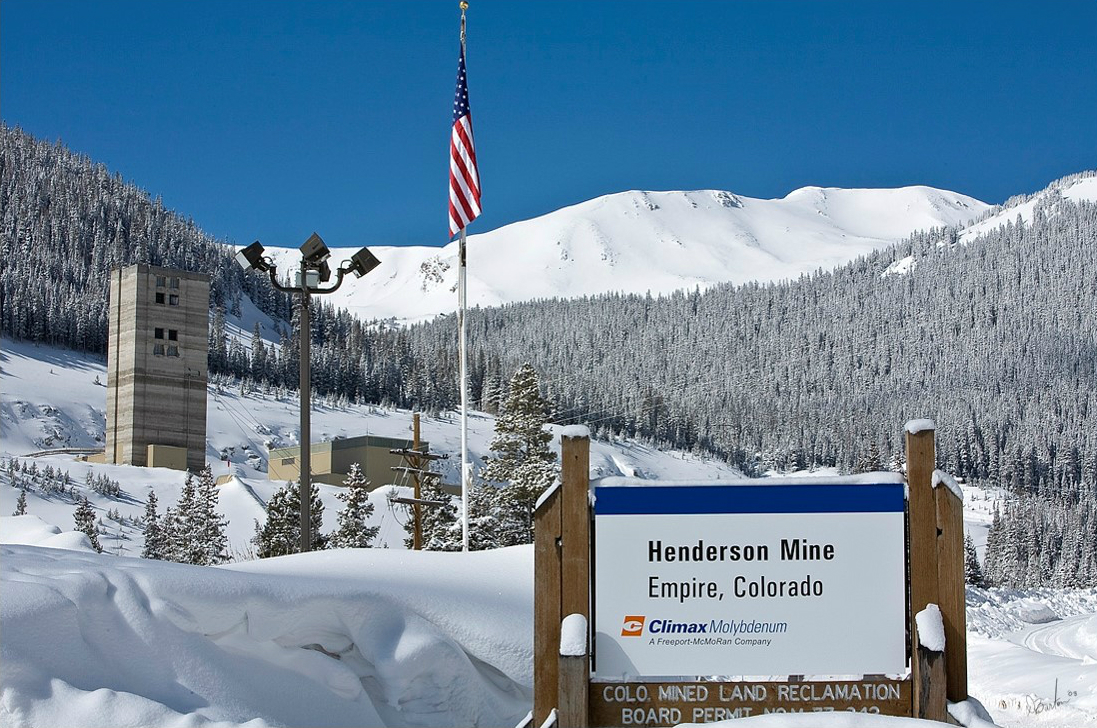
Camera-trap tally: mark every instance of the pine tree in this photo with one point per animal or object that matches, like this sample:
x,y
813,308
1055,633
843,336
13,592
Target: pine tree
x,y
154,533
281,533
85,521
973,573
21,504
180,540
440,530
352,531
523,459
209,525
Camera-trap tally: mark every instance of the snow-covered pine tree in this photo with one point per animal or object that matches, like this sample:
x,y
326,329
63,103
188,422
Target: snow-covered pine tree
x,y
441,531
973,572
85,521
154,533
281,533
180,542
21,504
352,531
209,525
523,459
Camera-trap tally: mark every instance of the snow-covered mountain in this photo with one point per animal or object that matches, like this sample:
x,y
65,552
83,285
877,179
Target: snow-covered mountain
x,y
638,241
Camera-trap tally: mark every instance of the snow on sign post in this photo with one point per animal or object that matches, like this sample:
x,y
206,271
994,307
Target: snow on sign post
x,y
792,577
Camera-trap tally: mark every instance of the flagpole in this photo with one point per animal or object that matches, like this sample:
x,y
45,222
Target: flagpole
x,y
466,468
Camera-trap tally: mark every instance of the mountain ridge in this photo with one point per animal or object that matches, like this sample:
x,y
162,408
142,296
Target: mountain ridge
x,y
640,241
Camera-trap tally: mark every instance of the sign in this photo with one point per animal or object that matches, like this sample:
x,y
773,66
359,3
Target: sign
x,y
669,704
800,577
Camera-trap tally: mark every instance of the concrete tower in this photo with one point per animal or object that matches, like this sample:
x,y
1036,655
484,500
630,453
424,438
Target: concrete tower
x,y
156,367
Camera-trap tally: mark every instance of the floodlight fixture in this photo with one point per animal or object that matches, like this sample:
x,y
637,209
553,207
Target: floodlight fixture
x,y
252,257
314,270
315,251
363,262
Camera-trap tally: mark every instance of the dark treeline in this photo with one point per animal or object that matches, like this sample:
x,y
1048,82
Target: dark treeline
x,y
66,222
995,339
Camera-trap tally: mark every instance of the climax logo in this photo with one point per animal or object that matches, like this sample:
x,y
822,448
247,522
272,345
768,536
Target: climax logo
x,y
633,626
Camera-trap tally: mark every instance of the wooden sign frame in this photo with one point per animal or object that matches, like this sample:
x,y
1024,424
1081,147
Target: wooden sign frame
x,y
564,693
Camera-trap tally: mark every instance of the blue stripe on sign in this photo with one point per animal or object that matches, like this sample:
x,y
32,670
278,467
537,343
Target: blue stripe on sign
x,y
837,498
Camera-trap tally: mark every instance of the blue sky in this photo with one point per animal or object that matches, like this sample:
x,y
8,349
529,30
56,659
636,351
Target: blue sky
x,y
273,119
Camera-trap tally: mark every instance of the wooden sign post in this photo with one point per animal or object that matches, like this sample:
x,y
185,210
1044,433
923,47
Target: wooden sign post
x,y
565,694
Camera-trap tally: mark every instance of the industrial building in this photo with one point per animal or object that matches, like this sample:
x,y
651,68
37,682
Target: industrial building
x,y
156,367
331,461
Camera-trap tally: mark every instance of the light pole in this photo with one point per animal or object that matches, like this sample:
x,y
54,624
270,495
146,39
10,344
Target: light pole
x,y
314,271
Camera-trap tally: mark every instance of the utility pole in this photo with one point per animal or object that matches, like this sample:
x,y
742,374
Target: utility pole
x,y
416,460
417,536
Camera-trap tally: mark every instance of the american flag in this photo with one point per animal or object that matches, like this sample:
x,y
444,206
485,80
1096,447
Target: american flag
x,y
464,179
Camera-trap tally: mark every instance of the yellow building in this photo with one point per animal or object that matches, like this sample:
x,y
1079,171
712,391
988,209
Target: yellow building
x,y
331,461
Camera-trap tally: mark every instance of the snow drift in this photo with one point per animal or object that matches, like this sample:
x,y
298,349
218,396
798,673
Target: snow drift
x,y
354,637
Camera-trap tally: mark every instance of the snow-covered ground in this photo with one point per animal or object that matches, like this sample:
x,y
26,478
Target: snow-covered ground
x,y
367,637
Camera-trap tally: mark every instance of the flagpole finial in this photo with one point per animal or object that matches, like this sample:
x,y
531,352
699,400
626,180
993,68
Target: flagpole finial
x,y
464,6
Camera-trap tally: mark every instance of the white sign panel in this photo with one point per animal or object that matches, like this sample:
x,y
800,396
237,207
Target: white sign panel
x,y
803,578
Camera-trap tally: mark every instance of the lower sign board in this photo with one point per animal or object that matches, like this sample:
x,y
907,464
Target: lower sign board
x,y
668,704
794,577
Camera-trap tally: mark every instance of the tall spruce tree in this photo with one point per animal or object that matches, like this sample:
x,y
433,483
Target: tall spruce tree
x,y
973,572
523,462
280,534
352,531
180,538
21,504
85,521
441,530
154,533
211,543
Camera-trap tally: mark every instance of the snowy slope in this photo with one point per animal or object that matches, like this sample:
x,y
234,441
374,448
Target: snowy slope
x,y
1075,189
240,427
646,241
421,638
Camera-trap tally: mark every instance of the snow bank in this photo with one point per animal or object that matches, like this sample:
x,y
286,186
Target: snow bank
x,y
337,638
997,612
32,530
971,713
